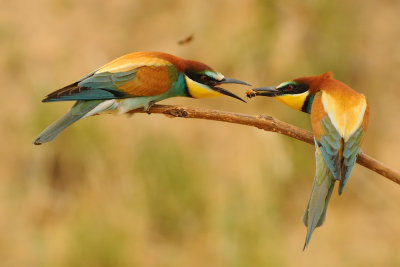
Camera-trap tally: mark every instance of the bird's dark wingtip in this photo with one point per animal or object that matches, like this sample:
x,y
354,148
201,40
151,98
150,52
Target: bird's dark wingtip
x,y
308,238
340,188
340,191
37,143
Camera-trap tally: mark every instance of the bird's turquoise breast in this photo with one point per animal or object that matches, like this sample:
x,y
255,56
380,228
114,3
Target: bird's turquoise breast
x,y
308,104
178,88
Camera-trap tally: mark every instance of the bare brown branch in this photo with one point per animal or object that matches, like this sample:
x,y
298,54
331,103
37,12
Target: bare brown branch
x,y
266,123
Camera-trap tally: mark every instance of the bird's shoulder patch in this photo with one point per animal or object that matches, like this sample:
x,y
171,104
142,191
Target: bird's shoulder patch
x,y
151,80
346,108
133,61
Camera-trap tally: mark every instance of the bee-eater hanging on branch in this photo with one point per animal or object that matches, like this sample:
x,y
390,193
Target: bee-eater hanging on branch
x,y
339,119
133,81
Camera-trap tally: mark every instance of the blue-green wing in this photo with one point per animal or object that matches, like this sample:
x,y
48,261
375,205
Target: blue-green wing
x,y
95,86
329,143
350,153
321,192
339,155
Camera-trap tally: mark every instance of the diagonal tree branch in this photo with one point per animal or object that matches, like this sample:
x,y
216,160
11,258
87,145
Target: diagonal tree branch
x,y
266,123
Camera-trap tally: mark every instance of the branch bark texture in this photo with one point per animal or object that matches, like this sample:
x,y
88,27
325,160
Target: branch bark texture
x,y
266,123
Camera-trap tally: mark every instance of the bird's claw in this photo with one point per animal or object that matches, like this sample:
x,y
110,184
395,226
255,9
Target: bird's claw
x,y
148,106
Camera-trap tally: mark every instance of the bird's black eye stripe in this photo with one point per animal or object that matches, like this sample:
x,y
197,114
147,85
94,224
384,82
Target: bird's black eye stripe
x,y
201,78
295,88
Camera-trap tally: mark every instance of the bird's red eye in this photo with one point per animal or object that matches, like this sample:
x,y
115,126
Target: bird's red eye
x,y
290,87
204,78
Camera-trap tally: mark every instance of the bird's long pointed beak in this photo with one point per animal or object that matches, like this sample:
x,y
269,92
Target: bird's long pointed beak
x,y
226,92
230,80
263,91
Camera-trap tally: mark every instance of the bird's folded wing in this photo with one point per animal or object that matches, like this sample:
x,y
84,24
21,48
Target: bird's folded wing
x,y
120,81
327,137
329,143
338,150
350,153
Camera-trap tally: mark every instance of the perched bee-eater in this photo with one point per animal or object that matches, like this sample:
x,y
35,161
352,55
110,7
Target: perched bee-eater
x,y
339,119
133,81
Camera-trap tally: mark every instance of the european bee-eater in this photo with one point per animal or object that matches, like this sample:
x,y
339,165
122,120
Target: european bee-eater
x,y
132,81
339,119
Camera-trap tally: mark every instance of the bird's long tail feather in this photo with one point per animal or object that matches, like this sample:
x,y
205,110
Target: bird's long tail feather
x,y
321,192
80,110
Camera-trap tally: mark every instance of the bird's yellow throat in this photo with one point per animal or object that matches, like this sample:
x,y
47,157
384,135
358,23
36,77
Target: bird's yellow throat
x,y
294,101
198,90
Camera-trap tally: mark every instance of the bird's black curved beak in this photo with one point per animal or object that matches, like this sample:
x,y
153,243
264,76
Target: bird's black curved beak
x,y
263,91
226,92
230,80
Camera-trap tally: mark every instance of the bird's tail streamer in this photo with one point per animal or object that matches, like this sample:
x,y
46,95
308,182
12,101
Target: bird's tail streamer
x,y
80,110
314,215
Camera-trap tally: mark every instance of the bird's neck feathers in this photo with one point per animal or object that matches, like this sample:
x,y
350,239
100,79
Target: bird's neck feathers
x,y
195,66
194,88
315,83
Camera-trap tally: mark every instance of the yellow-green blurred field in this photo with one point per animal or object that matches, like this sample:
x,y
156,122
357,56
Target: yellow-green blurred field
x,y
154,191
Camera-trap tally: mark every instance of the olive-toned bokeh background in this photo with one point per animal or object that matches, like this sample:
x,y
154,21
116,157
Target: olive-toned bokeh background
x,y
154,191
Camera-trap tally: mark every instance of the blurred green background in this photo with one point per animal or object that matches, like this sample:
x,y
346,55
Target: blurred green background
x,y
154,191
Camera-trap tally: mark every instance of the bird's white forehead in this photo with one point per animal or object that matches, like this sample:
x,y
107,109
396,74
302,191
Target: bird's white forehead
x,y
285,83
216,75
